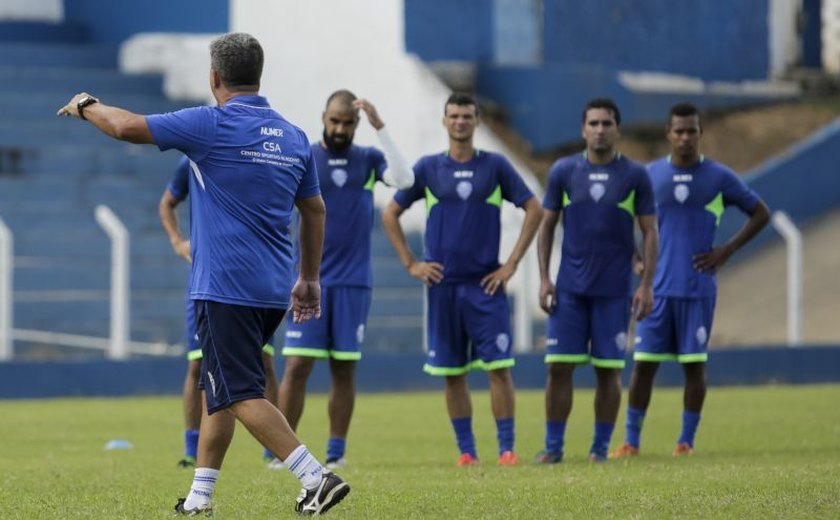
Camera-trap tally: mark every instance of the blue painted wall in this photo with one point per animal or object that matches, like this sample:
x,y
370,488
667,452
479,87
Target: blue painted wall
x,y
449,29
710,40
111,21
801,182
394,373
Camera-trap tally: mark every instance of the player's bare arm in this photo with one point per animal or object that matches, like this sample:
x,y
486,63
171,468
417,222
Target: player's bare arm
x,y
306,294
169,221
643,298
713,260
427,272
501,276
545,243
112,121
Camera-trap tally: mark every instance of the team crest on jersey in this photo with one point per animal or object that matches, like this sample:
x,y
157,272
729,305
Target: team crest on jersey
x,y
503,342
681,193
360,333
596,191
702,335
464,189
339,177
621,340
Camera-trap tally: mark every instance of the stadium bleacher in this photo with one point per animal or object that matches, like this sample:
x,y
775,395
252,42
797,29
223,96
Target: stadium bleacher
x,y
54,172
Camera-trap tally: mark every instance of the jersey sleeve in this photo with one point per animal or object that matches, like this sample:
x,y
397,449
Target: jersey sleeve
x,y
644,204
191,130
553,198
736,192
405,198
308,186
514,188
179,186
377,162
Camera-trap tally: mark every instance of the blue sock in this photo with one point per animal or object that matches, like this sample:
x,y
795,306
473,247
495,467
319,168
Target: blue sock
x,y
555,431
601,442
635,420
335,448
191,444
464,435
504,433
690,420
267,455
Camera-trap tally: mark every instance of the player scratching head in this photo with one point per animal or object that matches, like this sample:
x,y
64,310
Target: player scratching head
x,y
601,120
340,120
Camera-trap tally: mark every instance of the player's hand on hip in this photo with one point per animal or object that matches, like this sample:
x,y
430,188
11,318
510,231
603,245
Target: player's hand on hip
x,y
306,300
497,279
370,111
642,303
548,296
711,261
182,249
429,273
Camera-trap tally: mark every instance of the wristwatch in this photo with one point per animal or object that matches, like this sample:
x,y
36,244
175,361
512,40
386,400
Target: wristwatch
x,y
85,102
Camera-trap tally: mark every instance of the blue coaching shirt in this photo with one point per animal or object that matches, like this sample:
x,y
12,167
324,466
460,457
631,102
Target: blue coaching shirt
x,y
346,179
248,166
598,204
179,185
690,202
463,210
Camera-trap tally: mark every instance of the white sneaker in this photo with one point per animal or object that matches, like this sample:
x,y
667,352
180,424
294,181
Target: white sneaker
x,y
336,463
276,464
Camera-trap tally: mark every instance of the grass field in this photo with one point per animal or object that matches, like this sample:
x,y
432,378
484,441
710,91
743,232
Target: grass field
x,y
762,452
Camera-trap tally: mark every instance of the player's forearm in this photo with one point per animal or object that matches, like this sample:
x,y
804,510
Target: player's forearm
x,y
119,124
757,221
533,216
394,231
650,255
169,222
545,242
311,235
398,174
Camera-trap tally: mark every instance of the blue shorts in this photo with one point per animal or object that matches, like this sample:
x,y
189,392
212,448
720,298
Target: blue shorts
x,y
467,329
677,330
193,348
584,329
231,338
340,330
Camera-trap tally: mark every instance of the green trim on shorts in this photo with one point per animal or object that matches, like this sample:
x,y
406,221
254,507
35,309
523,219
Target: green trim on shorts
x,y
345,356
608,363
492,365
656,358
567,358
268,349
693,358
317,353
444,371
194,355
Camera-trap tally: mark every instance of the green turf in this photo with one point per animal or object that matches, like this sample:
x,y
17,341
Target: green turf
x,y
762,452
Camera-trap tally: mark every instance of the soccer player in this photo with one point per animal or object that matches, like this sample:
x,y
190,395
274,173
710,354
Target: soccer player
x,y
469,313
691,193
250,167
176,192
347,174
599,194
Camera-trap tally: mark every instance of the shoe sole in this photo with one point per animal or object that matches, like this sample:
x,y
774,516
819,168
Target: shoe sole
x,y
335,496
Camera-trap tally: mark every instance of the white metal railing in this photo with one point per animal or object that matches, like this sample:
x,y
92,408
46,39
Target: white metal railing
x,y
6,266
793,238
118,234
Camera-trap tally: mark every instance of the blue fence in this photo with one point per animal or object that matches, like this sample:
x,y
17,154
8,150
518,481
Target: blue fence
x,y
394,373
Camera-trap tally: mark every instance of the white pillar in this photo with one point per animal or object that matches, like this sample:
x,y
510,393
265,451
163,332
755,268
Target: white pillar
x,y
793,238
6,268
119,281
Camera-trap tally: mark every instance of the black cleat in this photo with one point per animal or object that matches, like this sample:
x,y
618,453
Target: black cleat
x,y
330,491
180,511
186,463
